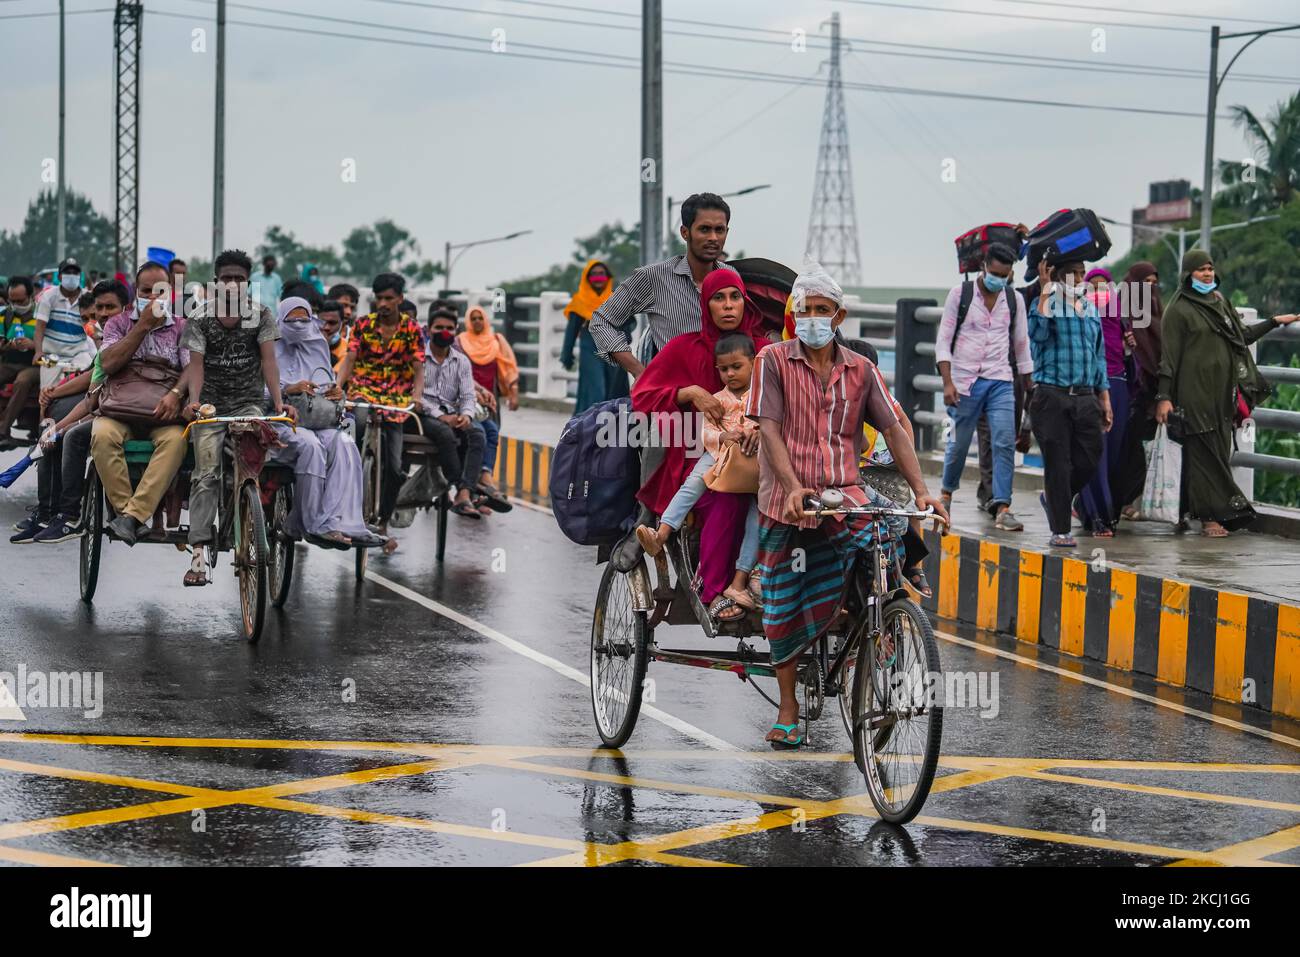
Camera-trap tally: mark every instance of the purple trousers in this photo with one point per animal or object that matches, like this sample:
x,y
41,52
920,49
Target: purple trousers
x,y
722,529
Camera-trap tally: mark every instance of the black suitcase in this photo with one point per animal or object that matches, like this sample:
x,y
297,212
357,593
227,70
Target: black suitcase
x,y
1068,235
973,246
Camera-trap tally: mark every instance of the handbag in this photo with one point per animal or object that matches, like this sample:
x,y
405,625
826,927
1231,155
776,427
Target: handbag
x,y
734,471
315,412
133,393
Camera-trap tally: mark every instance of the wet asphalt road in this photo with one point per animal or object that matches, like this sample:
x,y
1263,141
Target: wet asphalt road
x,y
435,715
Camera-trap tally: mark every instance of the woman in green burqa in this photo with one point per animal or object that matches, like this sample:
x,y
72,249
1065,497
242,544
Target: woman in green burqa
x,y
1206,369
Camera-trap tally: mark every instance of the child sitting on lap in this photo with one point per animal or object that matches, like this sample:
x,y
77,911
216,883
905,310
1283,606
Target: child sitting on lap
x,y
734,355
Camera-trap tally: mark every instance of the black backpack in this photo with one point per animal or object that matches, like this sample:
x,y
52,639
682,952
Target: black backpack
x,y
594,481
963,307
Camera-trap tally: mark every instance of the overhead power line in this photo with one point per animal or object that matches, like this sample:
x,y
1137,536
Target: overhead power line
x,y
582,57
1217,18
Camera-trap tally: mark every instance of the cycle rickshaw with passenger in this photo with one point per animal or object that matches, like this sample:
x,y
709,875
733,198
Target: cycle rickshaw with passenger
x,y
426,488
241,519
879,658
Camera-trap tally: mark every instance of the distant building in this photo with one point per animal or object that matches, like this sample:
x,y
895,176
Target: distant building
x,y
1169,202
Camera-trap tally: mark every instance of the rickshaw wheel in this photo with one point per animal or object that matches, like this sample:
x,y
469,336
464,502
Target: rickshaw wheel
x,y
251,550
618,656
92,540
281,546
893,681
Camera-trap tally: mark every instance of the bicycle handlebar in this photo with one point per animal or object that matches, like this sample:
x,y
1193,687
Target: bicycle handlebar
x,y
228,419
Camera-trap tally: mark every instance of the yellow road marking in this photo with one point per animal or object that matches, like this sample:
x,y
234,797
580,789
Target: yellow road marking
x,y
420,824
1167,792
21,855
1254,851
95,777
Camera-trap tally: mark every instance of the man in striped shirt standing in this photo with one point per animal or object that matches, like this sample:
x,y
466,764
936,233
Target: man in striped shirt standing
x,y
811,397
667,292
1070,405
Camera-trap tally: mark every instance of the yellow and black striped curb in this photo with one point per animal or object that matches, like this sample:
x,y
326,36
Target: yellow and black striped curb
x,y
1238,648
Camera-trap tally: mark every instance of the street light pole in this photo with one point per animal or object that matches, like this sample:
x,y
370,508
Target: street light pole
x,y
219,140
448,262
668,226
1207,183
1216,81
652,126
61,237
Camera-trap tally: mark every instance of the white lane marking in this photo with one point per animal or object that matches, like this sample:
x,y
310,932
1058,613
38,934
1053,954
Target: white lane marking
x,y
9,710
1126,692
559,667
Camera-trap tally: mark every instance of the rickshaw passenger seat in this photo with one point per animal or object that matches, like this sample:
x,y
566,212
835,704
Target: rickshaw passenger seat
x,y
138,450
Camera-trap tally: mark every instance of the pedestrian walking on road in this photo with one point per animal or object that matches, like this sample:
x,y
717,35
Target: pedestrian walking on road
x,y
1097,505
1070,404
1130,475
981,345
597,381
1208,385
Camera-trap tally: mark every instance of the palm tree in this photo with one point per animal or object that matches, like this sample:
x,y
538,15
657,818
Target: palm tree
x,y
1275,144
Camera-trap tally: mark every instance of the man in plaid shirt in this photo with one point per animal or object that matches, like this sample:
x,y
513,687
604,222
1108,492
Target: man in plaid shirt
x,y
1070,404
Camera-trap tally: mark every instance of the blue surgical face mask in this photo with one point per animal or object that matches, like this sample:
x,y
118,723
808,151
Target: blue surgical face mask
x,y
141,304
994,283
1204,287
814,331
334,339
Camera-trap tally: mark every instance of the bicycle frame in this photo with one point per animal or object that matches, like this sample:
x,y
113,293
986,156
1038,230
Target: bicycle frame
x,y
228,508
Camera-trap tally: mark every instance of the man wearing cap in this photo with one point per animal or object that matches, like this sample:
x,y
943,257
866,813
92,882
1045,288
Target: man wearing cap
x,y
811,396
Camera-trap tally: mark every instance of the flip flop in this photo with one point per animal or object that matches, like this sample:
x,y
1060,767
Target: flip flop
x,y
723,603
493,500
194,579
787,744
330,540
466,510
649,540
916,578
741,598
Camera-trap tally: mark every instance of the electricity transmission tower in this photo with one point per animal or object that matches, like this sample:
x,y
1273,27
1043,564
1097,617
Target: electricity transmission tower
x,y
128,20
833,225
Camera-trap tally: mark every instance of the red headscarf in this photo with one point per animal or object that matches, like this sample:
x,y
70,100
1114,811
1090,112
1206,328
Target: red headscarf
x,y
688,360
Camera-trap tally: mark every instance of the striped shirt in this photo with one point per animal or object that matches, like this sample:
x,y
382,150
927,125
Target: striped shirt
x,y
983,346
665,291
65,336
821,426
1067,346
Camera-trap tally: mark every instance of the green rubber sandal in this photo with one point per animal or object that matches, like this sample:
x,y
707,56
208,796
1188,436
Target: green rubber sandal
x,y
787,745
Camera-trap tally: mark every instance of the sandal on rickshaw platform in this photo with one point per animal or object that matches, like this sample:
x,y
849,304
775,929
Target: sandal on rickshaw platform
x,y
721,604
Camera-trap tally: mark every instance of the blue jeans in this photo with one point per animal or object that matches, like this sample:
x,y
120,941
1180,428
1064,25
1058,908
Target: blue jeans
x,y
682,503
492,429
996,400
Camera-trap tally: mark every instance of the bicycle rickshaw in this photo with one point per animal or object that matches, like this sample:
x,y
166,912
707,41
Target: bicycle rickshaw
x,y
52,372
262,562
426,488
879,659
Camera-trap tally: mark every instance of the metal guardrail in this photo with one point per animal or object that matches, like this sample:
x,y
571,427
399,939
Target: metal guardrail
x,y
535,328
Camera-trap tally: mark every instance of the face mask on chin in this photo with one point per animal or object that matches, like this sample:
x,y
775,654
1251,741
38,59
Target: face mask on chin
x,y
1204,287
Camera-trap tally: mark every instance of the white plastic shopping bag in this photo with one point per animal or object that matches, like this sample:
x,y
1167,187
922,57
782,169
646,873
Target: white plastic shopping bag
x,y
1160,495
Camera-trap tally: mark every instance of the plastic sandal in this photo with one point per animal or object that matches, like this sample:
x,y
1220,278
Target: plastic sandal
x,y
723,603
787,744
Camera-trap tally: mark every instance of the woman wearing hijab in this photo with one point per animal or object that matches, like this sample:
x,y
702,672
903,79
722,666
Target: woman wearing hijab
x,y
676,385
326,463
311,275
496,372
1209,382
598,381
1097,506
1144,318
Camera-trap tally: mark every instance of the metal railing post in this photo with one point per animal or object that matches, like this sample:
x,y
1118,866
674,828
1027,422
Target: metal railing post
x,y
909,363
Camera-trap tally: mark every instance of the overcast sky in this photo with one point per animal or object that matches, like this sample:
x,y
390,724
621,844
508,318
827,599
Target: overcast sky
x,y
466,145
